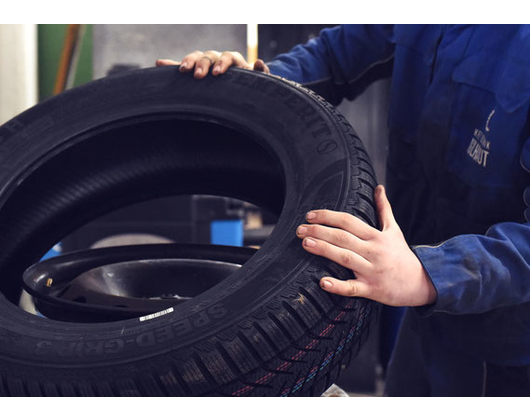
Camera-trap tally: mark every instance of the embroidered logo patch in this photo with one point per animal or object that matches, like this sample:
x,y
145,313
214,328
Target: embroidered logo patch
x,y
479,147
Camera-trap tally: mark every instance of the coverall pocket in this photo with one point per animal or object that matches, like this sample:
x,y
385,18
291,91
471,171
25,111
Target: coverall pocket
x,y
490,120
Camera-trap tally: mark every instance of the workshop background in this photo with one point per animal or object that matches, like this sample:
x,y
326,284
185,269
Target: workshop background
x,y
38,61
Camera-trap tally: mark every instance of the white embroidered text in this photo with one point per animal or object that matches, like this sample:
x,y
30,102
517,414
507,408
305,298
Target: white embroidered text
x,y
479,148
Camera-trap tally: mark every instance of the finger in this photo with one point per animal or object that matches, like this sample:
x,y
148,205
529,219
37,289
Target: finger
x,y
344,257
344,221
202,66
226,60
229,59
384,209
260,65
337,237
188,62
166,62
355,288
240,61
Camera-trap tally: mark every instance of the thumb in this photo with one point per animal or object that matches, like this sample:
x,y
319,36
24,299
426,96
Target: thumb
x,y
166,62
384,210
260,65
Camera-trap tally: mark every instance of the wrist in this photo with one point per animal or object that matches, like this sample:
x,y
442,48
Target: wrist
x,y
429,293
430,290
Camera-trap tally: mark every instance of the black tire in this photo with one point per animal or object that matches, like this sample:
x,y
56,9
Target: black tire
x,y
266,330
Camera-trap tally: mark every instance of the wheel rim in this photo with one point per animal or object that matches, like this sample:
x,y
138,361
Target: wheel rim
x,y
116,283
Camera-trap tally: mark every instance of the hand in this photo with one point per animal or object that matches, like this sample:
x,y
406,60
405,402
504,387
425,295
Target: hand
x,y
386,269
202,61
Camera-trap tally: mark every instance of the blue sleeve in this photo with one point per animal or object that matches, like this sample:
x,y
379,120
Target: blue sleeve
x,y
341,62
478,273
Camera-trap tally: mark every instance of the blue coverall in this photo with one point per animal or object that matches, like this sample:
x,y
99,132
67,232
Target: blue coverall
x,y
458,177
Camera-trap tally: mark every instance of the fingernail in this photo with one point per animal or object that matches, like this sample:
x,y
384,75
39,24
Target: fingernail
x,y
302,230
184,66
327,284
310,215
309,242
198,72
216,69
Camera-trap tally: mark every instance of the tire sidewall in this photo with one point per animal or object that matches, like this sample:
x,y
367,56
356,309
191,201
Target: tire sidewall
x,y
295,127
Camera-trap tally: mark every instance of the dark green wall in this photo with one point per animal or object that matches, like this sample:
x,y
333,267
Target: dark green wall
x,y
51,41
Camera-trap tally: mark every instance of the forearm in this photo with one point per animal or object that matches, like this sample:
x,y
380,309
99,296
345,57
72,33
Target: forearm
x,y
341,62
477,273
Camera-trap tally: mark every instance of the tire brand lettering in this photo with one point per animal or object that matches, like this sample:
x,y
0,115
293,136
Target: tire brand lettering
x,y
79,349
313,120
303,108
16,126
12,126
326,146
157,336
